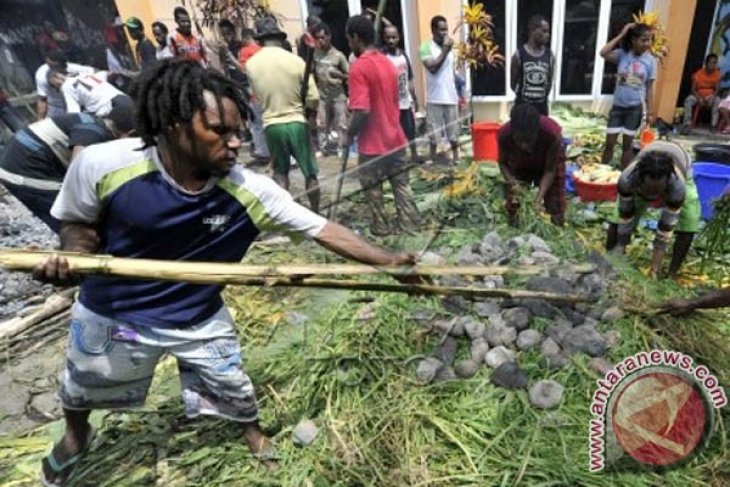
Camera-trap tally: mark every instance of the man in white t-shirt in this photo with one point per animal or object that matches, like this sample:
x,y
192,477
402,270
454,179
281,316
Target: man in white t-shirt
x,y
90,93
406,90
442,99
50,100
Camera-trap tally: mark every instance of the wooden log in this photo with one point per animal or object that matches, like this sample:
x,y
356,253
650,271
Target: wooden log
x,y
56,303
228,273
57,323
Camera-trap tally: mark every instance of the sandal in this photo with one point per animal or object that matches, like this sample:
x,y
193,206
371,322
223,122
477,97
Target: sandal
x,y
66,467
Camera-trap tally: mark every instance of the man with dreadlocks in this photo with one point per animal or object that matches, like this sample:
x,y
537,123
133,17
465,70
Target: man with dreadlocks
x,y
174,194
531,152
661,175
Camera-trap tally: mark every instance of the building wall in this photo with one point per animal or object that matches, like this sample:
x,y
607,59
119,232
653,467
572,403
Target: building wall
x,y
148,11
424,11
676,15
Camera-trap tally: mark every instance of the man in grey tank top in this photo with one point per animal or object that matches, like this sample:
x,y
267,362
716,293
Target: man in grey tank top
x,y
532,66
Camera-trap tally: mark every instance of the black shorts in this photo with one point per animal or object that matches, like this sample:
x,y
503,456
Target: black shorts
x,y
624,120
408,123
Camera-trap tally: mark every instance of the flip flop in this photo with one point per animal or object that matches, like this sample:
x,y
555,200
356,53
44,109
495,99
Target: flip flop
x,y
68,466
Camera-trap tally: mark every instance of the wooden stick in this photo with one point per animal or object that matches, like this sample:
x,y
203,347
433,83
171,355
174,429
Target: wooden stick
x,y
228,273
332,216
55,304
415,289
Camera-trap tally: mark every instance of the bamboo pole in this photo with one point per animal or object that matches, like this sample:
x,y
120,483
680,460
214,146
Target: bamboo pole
x,y
415,289
231,273
293,276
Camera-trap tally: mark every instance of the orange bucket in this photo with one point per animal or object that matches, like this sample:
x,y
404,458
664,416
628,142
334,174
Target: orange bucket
x,y
647,137
484,141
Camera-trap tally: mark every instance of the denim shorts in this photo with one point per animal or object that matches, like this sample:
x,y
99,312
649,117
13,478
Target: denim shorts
x,y
110,365
624,120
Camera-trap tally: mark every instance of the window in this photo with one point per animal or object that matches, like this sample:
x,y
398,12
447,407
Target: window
x,y
491,80
622,12
528,8
579,46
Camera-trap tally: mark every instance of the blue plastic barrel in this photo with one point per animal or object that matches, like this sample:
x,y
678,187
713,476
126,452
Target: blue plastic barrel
x,y
712,181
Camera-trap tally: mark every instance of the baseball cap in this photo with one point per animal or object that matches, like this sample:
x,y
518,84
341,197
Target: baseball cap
x,y
133,23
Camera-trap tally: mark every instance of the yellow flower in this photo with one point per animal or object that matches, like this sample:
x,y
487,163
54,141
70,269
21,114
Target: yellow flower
x,y
473,13
648,18
480,48
478,32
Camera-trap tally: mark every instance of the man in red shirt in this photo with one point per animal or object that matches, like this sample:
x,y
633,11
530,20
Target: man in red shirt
x,y
376,123
183,43
531,152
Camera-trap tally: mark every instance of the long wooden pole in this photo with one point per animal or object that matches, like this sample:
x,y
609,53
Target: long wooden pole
x,y
378,16
415,289
228,273
340,181
295,276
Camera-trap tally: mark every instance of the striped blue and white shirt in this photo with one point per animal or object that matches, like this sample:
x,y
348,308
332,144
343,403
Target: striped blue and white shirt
x,y
141,212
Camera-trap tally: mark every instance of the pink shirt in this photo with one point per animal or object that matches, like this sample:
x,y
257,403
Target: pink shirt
x,y
374,88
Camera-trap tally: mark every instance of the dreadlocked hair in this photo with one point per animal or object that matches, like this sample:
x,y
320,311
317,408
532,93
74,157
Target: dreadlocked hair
x,y
654,165
171,92
525,118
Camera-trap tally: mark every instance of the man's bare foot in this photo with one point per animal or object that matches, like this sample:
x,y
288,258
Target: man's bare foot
x,y
260,445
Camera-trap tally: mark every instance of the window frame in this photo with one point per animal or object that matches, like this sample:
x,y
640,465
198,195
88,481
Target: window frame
x,y
556,44
708,47
560,13
510,32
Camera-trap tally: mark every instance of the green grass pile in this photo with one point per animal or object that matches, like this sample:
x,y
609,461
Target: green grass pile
x,y
355,378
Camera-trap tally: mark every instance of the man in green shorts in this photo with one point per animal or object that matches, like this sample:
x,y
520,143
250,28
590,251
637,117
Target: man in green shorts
x,y
660,175
276,78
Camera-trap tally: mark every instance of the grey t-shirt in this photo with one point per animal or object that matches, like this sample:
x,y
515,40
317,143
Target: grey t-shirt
x,y
330,88
632,76
673,199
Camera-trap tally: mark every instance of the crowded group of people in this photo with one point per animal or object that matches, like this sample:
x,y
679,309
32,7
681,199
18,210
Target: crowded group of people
x,y
151,172
531,150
